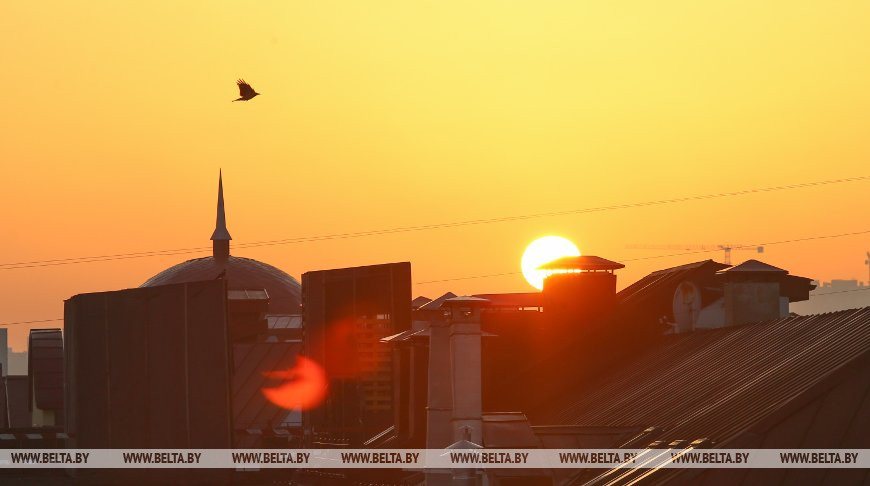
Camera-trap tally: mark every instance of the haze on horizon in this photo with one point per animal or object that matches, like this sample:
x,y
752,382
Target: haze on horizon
x,y
379,114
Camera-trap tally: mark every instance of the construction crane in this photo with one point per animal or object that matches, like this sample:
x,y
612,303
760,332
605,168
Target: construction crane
x,y
867,262
727,248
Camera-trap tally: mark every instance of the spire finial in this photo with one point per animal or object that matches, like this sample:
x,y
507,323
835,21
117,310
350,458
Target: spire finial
x,y
221,236
220,228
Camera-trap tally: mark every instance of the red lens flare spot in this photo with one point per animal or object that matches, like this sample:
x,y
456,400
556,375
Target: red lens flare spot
x,y
303,386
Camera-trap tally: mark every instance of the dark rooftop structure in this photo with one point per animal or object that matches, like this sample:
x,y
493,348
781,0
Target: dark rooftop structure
x,y
419,301
240,273
346,312
45,373
795,382
583,262
754,266
650,295
148,367
15,405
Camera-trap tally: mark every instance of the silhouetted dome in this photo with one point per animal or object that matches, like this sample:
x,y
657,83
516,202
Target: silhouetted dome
x,y
241,273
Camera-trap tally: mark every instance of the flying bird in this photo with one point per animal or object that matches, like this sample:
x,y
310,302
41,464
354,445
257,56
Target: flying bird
x,y
246,92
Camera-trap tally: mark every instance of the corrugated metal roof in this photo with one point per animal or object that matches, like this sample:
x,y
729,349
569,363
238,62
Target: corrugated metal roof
x,y
45,368
717,383
654,292
404,335
284,321
435,305
583,262
251,410
247,294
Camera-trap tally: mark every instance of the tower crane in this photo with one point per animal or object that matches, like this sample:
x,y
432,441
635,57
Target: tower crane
x,y
727,248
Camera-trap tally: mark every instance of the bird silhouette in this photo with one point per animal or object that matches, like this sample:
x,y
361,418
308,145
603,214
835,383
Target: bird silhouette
x,y
246,92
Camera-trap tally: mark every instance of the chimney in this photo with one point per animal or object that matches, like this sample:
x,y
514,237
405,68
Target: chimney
x,y
753,292
463,313
454,410
439,403
579,288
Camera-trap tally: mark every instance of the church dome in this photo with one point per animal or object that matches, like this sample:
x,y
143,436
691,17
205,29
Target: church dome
x,y
240,273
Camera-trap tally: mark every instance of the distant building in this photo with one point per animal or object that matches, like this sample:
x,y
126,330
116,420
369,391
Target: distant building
x,y
346,313
834,296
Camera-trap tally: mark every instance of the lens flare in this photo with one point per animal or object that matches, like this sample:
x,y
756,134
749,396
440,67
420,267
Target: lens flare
x,y
541,251
304,386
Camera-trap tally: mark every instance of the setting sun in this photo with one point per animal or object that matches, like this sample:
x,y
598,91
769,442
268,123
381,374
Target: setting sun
x,y
541,251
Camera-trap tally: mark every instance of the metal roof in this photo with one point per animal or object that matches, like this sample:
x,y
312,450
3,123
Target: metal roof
x,y
583,262
435,305
659,286
284,321
247,294
420,301
251,410
404,335
718,383
241,273
464,300
752,266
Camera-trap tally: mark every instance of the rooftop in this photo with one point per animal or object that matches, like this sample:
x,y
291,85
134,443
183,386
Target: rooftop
x,y
716,384
584,262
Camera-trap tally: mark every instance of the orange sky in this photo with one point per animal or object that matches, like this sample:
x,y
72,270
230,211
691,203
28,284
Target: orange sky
x,y
117,116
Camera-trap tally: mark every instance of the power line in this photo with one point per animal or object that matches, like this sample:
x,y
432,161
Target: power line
x,y
770,243
405,229
812,296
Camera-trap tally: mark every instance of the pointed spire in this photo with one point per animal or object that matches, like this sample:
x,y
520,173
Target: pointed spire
x,y
221,236
220,228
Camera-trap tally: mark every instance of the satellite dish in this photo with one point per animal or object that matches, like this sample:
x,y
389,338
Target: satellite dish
x,y
686,306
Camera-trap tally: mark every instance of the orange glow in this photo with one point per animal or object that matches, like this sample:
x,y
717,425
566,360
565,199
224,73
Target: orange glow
x,y
304,386
382,114
342,339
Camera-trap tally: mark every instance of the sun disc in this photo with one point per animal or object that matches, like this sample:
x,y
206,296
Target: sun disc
x,y
541,251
